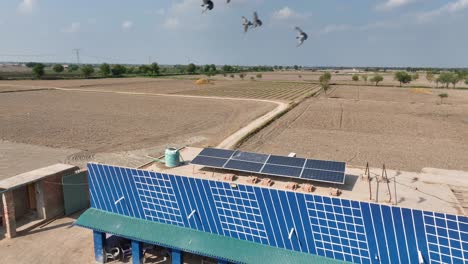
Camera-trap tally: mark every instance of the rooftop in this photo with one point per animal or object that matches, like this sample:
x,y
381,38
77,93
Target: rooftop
x,y
431,189
35,175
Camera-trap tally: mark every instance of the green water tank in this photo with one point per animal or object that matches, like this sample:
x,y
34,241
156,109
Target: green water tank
x,y
172,157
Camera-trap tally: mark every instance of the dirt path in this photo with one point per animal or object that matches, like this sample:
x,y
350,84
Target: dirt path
x,y
228,143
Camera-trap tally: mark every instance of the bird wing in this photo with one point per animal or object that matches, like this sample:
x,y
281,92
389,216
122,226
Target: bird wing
x,y
205,2
228,1
255,16
298,29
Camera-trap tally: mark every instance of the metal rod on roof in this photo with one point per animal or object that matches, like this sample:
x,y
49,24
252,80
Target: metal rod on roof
x,y
377,192
394,186
385,177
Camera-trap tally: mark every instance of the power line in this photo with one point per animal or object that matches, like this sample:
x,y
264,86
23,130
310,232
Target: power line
x,y
77,52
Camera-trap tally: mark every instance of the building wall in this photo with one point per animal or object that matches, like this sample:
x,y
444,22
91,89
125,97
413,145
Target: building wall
x,y
338,228
20,197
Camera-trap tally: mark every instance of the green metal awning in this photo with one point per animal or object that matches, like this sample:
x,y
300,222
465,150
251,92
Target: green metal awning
x,y
193,241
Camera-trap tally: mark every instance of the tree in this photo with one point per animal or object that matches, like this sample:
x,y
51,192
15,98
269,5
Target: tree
x,y
448,78
242,75
118,70
87,71
466,81
415,76
442,96
144,69
430,76
232,76
376,79
355,77
403,77
364,78
58,68
38,70
154,67
31,64
73,67
325,81
296,67
191,68
227,68
259,75
105,69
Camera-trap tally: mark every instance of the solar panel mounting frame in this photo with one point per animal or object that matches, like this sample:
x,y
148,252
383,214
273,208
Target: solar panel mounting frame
x,y
208,153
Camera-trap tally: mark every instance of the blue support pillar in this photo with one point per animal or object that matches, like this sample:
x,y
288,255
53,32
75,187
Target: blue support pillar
x,y
137,252
99,244
176,256
220,261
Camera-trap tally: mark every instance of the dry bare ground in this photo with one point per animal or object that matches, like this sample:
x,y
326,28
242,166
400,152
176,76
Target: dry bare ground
x,y
345,78
112,122
404,128
111,127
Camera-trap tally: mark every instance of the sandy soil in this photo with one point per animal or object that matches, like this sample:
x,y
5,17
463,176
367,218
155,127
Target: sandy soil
x,y
405,130
112,122
345,78
69,244
284,91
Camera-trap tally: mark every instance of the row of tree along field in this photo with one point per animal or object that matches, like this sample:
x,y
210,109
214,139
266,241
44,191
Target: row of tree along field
x,y
59,71
403,77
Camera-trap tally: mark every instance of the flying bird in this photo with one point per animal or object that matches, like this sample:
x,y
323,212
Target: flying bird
x,y
301,36
246,23
208,4
256,21
228,1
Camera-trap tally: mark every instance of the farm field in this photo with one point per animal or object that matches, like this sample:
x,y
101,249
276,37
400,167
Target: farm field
x,y
344,78
80,126
403,128
284,91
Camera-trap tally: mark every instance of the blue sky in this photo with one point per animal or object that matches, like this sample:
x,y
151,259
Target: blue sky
x,y
429,33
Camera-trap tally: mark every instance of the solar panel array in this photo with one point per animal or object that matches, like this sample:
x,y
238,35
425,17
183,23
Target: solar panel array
x,y
307,169
337,228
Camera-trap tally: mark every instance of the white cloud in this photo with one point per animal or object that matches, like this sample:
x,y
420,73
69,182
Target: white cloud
x,y
186,15
449,8
392,4
284,13
171,23
127,25
27,6
72,28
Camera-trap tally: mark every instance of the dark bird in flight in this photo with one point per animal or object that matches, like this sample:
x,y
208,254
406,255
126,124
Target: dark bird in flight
x,y
246,23
208,4
256,21
228,1
301,36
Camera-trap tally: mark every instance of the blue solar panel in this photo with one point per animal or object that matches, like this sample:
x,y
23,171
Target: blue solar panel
x,y
325,176
325,165
218,153
282,170
209,161
286,161
317,170
243,166
248,156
